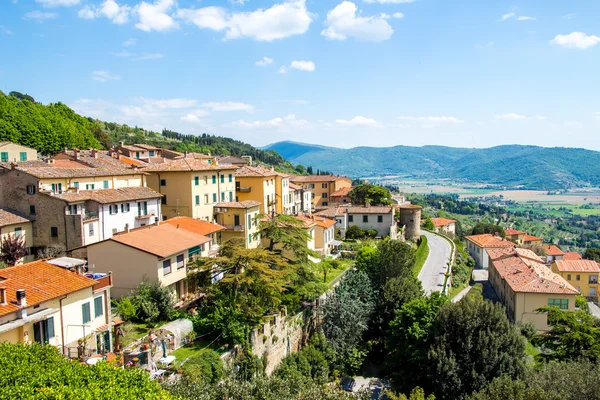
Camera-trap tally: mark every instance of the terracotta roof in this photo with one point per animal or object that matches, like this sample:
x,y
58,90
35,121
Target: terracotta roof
x,y
293,186
2,144
146,147
571,255
102,159
438,222
231,160
331,212
194,225
107,196
318,178
252,172
186,164
28,164
527,276
53,172
487,240
41,281
552,250
67,164
577,266
11,218
530,238
308,221
513,232
369,210
498,253
323,222
239,204
161,240
342,192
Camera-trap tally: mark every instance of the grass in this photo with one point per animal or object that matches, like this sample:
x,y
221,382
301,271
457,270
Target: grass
x,y
334,274
476,291
456,290
136,330
421,255
196,347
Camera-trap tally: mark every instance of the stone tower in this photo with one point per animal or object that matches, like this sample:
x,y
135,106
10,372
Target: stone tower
x,y
410,219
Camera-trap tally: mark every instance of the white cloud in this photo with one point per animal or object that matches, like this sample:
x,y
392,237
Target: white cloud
x,y
281,123
130,42
124,53
193,117
264,62
577,40
307,66
151,56
299,102
162,104
57,3
389,1
525,18
103,76
519,117
359,121
283,70
4,30
398,15
96,108
154,16
118,14
508,16
40,16
344,21
278,22
433,119
227,106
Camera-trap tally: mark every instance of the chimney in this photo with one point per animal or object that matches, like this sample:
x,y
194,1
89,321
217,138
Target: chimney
x,y
13,165
157,222
177,226
22,302
272,168
76,152
127,229
94,153
367,203
121,144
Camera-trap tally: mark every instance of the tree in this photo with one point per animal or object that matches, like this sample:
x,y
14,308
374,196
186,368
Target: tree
x,y
12,249
474,343
393,295
429,224
300,169
355,232
395,259
205,366
416,394
592,253
152,302
482,228
287,233
367,192
538,248
574,335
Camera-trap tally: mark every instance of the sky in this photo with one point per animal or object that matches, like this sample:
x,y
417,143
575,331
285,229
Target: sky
x,y
330,72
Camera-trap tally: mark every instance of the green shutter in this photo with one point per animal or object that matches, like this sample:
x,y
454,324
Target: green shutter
x,y
85,312
98,309
214,179
197,200
214,197
49,322
4,156
23,156
196,180
230,178
105,184
222,178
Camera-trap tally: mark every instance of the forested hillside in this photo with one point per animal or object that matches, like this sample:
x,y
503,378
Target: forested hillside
x,y
511,165
50,128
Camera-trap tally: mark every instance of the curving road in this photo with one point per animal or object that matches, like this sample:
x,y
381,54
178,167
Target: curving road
x,y
432,274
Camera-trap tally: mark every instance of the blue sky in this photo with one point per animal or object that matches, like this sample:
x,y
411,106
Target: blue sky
x,y
332,72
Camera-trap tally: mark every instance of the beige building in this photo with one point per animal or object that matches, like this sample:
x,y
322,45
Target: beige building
x,y
380,219
324,234
444,225
142,152
210,230
258,184
191,187
240,220
516,236
341,197
12,152
50,304
154,252
322,187
15,225
524,285
583,274
478,246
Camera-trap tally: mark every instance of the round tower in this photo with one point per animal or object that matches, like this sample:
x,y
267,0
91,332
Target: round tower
x,y
410,219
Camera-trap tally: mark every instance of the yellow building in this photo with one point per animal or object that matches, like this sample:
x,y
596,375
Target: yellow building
x,y
583,274
322,187
49,304
516,236
524,285
12,152
284,202
12,224
240,221
258,184
191,187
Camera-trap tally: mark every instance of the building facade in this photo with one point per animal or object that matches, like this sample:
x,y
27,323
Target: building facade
x,y
258,184
477,246
14,225
322,187
12,152
583,274
240,220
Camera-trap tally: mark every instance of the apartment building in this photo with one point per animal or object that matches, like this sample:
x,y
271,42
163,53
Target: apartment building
x,y
283,203
259,184
380,219
204,228
15,225
322,187
553,253
478,246
191,187
12,152
583,274
240,220
516,236
341,197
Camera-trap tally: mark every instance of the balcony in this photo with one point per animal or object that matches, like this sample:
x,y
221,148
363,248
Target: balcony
x,y
101,281
145,216
243,189
236,228
90,215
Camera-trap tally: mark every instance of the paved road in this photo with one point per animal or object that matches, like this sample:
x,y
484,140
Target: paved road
x,y
432,274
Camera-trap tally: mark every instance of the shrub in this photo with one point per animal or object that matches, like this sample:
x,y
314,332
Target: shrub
x,y
126,309
153,302
205,367
355,232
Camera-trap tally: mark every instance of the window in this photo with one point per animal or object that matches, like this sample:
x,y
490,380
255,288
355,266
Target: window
x,y
592,291
563,304
214,197
91,230
32,210
365,218
324,195
4,156
105,184
222,178
163,182
23,156
324,185
163,200
325,203
56,187
30,189
249,238
206,199
312,195
72,209
113,209
89,186
350,218
230,196
230,177
222,196
206,180
43,331
125,207
593,279
569,277
98,308
151,153
54,231
196,180
85,312
380,218
249,221
167,267
180,261
214,179
578,277
18,232
142,208
137,154
76,185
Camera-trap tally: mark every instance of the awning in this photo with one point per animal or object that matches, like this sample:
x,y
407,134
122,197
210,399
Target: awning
x,y
336,242
38,316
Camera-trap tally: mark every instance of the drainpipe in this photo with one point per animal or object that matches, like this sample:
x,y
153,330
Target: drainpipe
x,y
62,326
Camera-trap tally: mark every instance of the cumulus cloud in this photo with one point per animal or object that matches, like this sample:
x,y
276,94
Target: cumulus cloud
x,y
345,21
434,120
118,14
576,40
264,62
525,18
398,15
359,121
307,66
519,117
227,106
168,103
155,16
40,16
508,16
103,76
277,22
514,15
280,123
57,3
150,56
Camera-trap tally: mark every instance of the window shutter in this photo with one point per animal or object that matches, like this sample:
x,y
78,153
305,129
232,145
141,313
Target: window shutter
x,y
50,327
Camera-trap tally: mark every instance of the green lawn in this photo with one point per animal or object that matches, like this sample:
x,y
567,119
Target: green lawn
x,y
334,274
421,255
136,330
193,349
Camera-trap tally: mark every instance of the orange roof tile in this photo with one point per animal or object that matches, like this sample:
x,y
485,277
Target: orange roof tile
x,y
577,266
342,192
41,281
503,252
527,276
552,250
530,238
571,255
513,232
253,172
318,178
439,222
238,204
487,240
11,217
323,222
195,225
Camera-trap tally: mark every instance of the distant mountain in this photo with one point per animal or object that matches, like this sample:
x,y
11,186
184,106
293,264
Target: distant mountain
x,y
511,165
